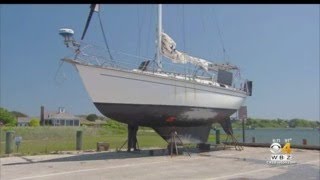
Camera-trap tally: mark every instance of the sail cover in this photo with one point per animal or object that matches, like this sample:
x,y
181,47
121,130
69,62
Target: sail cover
x,y
168,49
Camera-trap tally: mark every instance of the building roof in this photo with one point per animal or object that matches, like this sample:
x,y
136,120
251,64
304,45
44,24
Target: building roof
x,y
48,114
60,114
63,115
24,119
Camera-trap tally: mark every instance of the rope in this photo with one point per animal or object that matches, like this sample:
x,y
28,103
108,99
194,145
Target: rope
x,y
104,36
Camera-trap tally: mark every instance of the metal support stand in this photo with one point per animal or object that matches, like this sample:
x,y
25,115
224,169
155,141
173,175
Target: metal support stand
x,y
132,139
234,142
119,149
173,142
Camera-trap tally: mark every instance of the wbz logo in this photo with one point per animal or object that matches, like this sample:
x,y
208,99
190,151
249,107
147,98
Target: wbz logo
x,y
280,154
280,157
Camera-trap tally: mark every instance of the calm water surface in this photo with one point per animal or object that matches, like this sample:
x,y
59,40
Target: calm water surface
x,y
267,135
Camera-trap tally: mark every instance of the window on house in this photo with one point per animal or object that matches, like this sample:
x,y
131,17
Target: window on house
x,y
62,122
68,123
76,122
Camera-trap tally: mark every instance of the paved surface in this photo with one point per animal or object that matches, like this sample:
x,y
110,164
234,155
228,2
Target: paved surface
x,y
226,164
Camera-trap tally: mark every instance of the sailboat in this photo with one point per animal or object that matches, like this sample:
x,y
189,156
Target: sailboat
x,y
149,95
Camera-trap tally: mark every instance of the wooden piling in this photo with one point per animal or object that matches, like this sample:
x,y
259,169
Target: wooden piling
x,y
304,141
9,142
79,140
253,139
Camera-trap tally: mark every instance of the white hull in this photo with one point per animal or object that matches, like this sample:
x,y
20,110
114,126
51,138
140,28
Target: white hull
x,y
106,85
157,101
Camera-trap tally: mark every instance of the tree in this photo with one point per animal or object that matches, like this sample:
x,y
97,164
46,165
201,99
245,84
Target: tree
x,y
7,118
299,123
34,122
18,114
249,122
92,117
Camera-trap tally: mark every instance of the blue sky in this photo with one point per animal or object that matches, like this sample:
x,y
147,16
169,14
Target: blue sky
x,y
276,46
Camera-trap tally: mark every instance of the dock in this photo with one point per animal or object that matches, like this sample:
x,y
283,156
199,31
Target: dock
x,y
250,163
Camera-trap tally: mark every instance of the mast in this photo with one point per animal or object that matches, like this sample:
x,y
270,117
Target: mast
x,y
158,55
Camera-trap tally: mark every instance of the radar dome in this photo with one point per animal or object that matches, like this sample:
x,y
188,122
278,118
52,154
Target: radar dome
x,y
63,31
66,33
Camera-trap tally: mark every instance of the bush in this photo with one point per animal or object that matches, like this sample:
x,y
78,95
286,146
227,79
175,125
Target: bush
x,y
92,117
34,122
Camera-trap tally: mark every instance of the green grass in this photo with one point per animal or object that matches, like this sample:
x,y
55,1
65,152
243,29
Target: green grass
x,y
44,140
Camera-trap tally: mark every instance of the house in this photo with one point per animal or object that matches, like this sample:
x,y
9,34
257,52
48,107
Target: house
x,y
23,121
61,118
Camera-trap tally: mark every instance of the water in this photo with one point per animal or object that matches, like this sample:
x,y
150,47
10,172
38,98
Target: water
x,y
267,135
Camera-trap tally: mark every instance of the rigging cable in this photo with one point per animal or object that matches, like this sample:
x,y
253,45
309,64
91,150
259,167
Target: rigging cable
x,y
205,31
238,75
220,35
183,40
104,36
92,9
57,73
183,30
139,33
140,25
148,34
